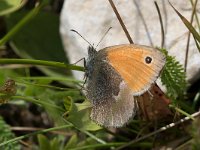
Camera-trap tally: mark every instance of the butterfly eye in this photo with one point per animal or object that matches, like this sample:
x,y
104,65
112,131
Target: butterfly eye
x,y
148,60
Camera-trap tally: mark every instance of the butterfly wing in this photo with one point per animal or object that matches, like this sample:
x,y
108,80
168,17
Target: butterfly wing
x,y
112,99
139,66
116,74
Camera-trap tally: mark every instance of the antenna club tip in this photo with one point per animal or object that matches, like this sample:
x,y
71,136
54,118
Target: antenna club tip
x,y
73,30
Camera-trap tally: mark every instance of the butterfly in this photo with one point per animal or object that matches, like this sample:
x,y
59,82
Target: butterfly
x,y
115,76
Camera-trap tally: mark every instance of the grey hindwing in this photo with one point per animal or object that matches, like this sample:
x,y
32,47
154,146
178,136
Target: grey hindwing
x,y
103,82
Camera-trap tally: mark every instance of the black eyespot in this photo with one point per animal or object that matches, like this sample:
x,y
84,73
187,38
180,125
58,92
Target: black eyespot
x,y
148,60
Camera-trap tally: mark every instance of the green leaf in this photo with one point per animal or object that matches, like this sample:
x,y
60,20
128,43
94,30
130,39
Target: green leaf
x,y
8,6
72,143
6,135
49,144
173,77
52,104
55,144
10,74
20,24
44,143
79,115
39,39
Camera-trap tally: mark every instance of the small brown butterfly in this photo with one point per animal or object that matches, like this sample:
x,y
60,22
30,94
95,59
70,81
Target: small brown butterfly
x,y
116,75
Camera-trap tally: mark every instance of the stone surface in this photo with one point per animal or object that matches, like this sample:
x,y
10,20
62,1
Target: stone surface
x,y
91,18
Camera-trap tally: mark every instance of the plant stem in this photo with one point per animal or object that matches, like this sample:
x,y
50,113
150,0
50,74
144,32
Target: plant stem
x,y
182,112
21,24
41,63
34,133
40,102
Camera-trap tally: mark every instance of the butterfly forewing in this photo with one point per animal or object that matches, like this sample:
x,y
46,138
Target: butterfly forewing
x,y
138,65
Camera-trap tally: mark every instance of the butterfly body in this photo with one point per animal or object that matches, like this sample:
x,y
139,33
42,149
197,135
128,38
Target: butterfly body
x,y
115,75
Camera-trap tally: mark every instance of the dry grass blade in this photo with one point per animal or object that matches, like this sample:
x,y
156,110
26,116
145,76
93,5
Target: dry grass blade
x,y
121,21
196,15
144,22
161,25
171,125
188,40
189,26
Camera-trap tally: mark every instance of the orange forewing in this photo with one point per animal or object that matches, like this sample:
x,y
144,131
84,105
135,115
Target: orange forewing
x,y
129,62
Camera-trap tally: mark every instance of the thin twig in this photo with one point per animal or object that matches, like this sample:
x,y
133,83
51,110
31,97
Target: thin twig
x,y
160,130
189,34
165,16
86,132
41,63
176,40
144,23
30,129
121,22
34,133
161,25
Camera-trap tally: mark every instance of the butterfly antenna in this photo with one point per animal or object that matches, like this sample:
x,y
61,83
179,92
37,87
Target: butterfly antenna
x,y
81,36
103,37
